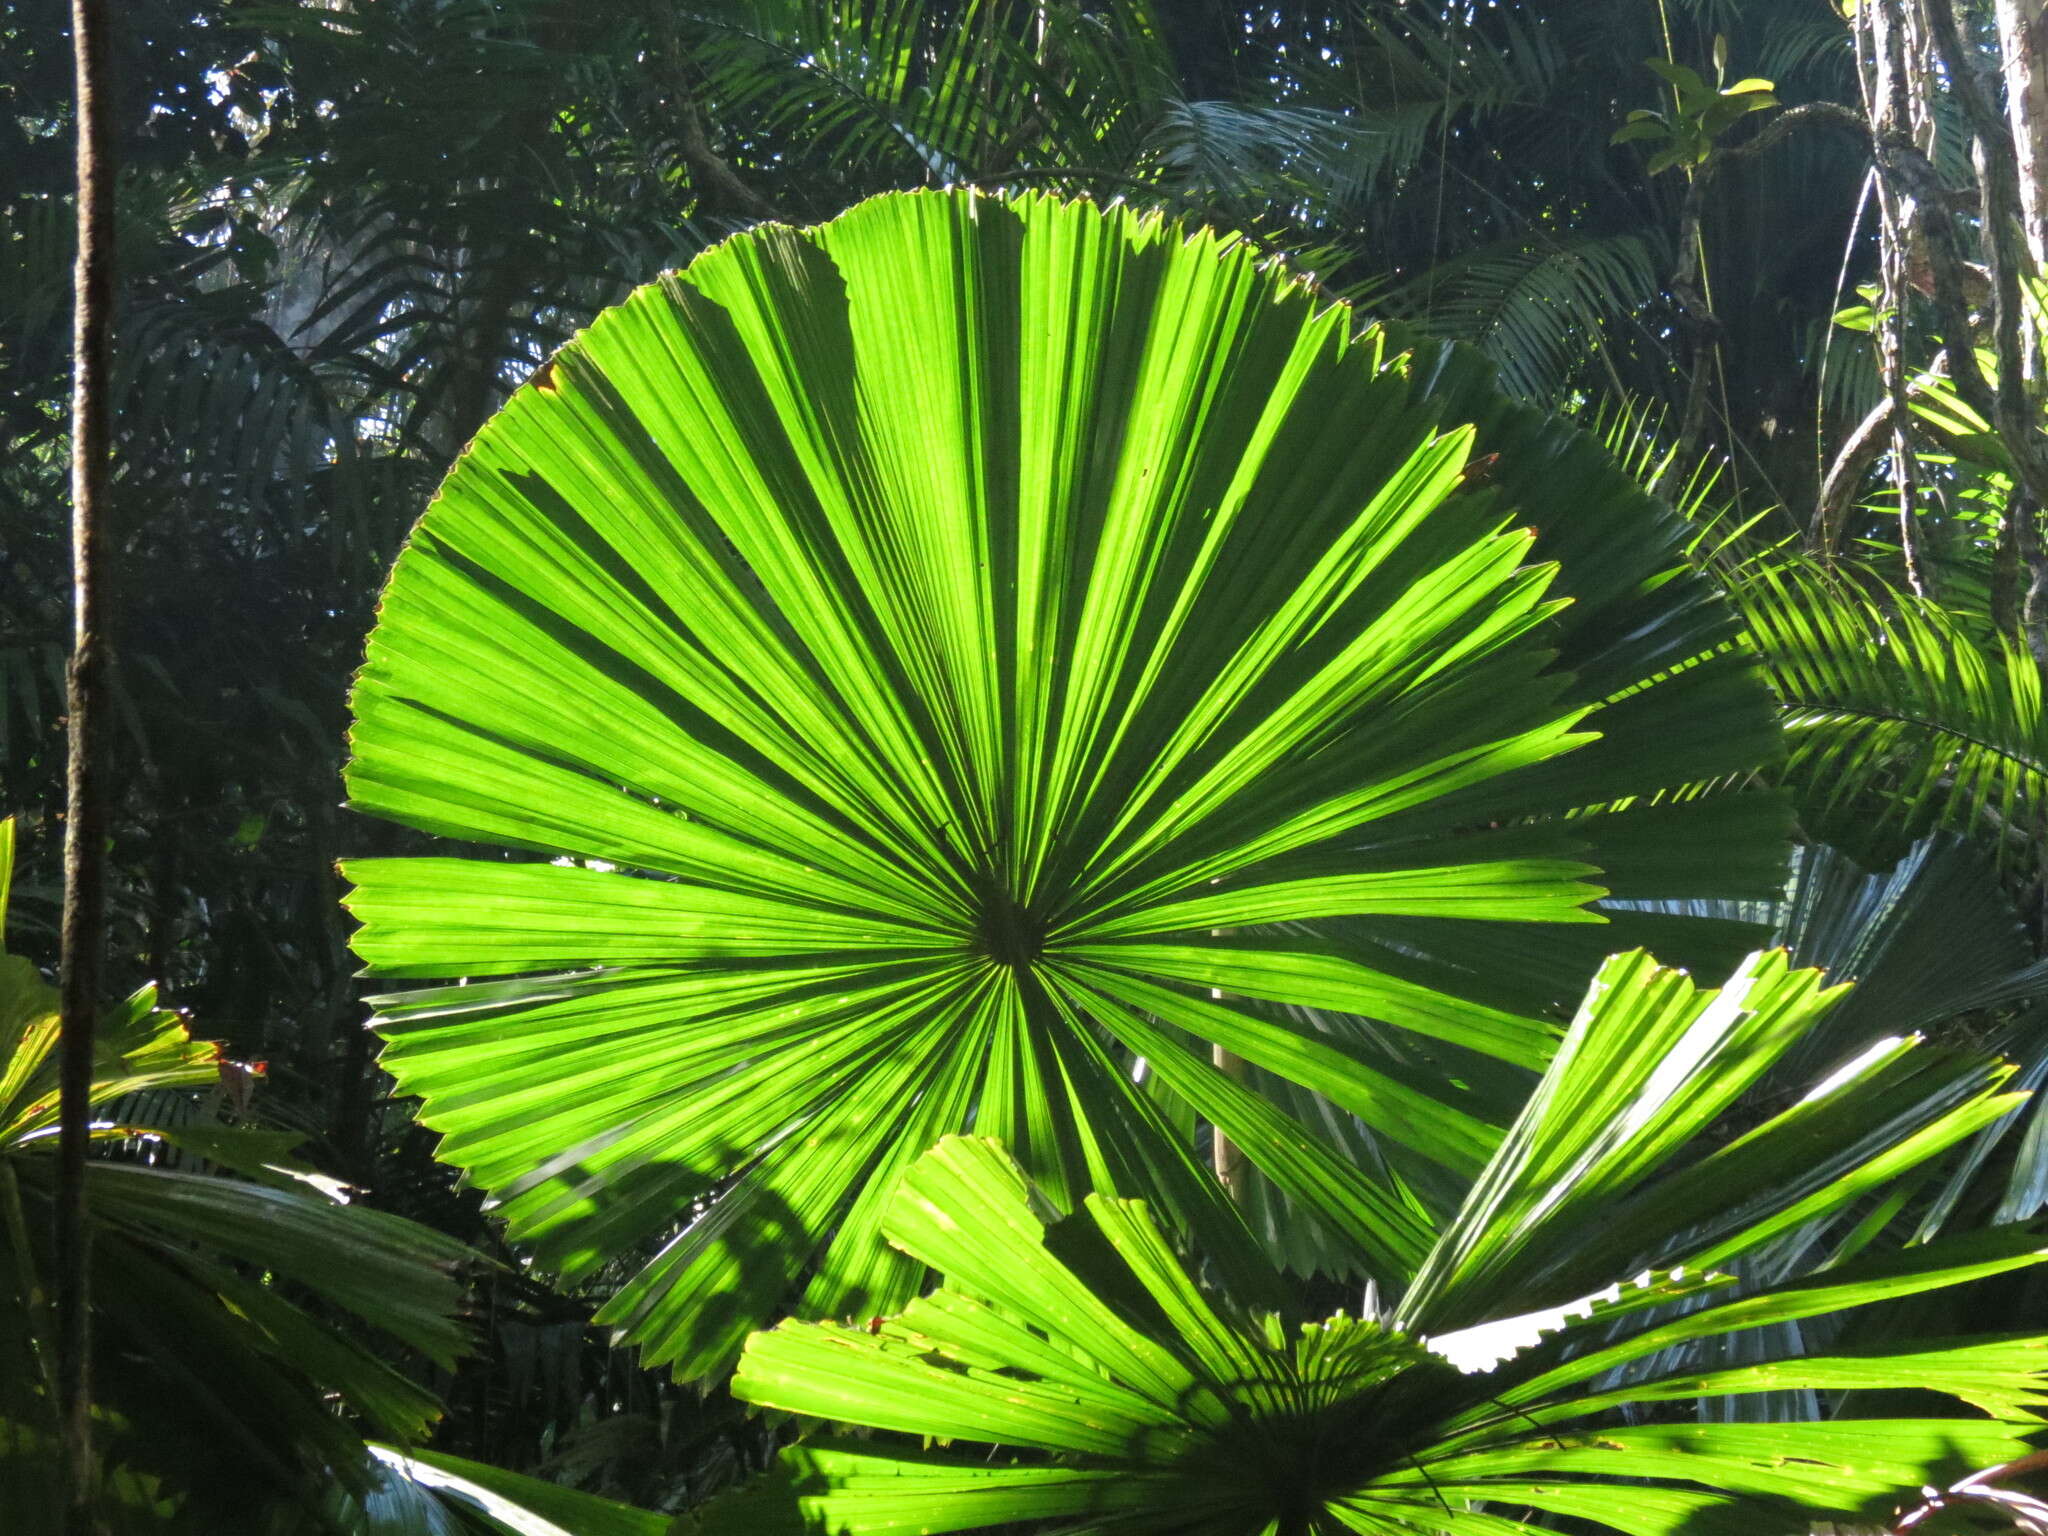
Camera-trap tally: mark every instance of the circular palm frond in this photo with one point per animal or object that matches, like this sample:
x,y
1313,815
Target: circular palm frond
x,y
1001,665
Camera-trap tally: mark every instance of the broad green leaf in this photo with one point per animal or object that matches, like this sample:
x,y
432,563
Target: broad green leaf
x,y
1678,152
1691,88
1641,125
1929,941
955,666
2000,1377
1924,1267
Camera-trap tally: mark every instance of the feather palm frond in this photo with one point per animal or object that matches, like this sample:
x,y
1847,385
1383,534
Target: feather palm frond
x,y
1537,307
1898,721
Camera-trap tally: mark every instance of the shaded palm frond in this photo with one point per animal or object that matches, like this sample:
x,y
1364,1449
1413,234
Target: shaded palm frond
x,y
1538,309
218,1298
1899,721
1935,946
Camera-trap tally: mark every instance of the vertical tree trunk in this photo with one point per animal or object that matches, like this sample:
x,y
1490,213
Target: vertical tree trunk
x,y
2023,49
83,927
2007,153
2023,55
1893,99
1225,1156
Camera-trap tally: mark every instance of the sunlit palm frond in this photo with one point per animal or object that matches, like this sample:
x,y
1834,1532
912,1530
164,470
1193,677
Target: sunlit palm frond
x,y
1020,640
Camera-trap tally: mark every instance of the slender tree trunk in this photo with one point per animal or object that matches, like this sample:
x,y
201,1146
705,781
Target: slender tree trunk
x,y
2012,402
1225,1156
2033,621
83,932
1845,477
2023,53
163,908
1897,111
2005,571
1699,326
720,191
2024,58
471,385
2023,49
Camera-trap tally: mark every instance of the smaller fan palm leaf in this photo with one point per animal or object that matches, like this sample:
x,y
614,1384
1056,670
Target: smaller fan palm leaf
x,y
1129,1398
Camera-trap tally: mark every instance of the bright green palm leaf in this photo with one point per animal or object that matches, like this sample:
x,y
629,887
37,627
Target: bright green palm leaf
x,y
1000,628
1929,942
1588,1183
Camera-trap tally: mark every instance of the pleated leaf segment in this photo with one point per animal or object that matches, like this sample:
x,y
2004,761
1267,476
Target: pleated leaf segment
x,y
1102,1387
961,665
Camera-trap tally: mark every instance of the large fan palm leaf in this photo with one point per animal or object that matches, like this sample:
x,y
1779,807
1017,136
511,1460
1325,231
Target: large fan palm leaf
x,y
1021,640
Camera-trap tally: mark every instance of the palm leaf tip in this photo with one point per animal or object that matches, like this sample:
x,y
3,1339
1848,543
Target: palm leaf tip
x,y
935,653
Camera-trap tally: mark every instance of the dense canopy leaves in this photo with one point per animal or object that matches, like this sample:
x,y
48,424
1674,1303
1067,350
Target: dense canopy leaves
x,y
1022,641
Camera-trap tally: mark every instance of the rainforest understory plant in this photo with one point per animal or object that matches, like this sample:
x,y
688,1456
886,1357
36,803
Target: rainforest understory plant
x,y
239,1297
1021,641
1155,1405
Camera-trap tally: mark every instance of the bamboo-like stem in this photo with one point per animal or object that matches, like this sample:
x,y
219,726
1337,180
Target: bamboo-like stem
x,y
83,924
1225,1156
